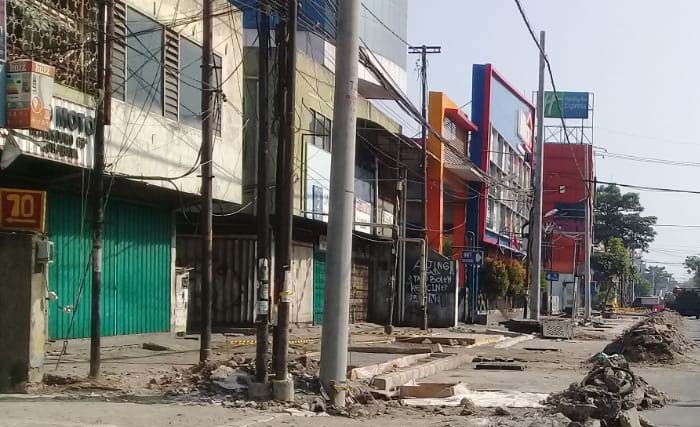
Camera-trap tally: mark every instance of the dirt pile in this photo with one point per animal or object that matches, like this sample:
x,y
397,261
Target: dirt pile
x,y
610,392
657,339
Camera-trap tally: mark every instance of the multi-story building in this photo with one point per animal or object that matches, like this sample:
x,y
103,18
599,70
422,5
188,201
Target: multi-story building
x,y
502,148
152,150
380,148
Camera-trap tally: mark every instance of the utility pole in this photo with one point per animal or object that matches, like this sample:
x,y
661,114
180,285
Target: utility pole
x,y
536,222
98,195
588,238
207,177
423,51
336,311
282,387
263,211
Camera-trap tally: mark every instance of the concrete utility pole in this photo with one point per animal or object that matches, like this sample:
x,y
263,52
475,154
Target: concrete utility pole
x,y
336,311
263,211
283,387
423,51
104,88
588,239
536,224
207,177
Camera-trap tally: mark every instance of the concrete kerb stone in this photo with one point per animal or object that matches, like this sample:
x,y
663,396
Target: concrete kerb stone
x,y
509,342
392,380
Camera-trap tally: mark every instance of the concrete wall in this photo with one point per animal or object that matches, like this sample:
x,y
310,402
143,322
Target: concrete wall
x,y
163,147
22,312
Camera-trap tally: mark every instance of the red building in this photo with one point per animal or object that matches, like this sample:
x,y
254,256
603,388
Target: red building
x,y
568,171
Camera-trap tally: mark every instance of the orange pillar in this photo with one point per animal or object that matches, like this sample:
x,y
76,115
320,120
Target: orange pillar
x,y
435,205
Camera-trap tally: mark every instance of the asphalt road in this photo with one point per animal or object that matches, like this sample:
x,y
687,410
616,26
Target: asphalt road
x,y
681,383
547,371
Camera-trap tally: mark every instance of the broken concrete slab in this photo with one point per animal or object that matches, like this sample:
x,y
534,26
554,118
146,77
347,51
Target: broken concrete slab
x,y
427,390
390,381
498,366
396,349
509,342
371,371
453,340
543,349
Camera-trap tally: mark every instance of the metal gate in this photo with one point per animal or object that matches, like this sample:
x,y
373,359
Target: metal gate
x,y
233,290
136,268
319,284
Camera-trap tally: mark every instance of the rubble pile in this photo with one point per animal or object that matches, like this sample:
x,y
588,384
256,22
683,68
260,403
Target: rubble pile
x,y
610,392
657,339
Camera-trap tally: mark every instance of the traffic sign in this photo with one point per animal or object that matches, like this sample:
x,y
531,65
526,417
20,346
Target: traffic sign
x,y
471,257
22,209
552,276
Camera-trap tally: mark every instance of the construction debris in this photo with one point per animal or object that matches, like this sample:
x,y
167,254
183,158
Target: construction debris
x,y
657,339
608,393
154,347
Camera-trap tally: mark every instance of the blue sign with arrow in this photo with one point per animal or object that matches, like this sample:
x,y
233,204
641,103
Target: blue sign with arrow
x,y
473,257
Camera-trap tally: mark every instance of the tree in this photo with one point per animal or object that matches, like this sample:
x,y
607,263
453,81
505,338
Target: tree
x,y
619,215
692,265
644,288
496,278
659,277
516,278
613,263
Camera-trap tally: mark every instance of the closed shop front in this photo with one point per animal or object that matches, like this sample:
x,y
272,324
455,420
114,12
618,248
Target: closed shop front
x,y
137,272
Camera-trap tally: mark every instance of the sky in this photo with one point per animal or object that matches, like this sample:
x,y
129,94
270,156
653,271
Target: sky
x,y
639,58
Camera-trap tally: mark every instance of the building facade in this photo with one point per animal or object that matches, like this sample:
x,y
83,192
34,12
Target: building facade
x,y
379,147
151,148
502,148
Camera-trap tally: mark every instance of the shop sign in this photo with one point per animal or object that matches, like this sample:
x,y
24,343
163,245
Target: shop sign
x,y
22,209
566,105
363,213
525,127
70,138
29,87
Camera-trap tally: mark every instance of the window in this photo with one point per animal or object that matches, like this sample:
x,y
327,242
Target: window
x,y
321,127
144,72
191,85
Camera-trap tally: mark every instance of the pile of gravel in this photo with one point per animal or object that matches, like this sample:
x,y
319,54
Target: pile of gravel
x,y
657,339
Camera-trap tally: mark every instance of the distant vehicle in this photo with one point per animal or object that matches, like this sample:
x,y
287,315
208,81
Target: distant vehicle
x,y
653,303
687,302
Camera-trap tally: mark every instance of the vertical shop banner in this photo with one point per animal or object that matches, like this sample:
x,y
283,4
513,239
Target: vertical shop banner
x,y
3,59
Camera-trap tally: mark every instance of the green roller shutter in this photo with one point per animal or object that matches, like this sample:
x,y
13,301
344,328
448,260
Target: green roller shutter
x,y
319,284
136,271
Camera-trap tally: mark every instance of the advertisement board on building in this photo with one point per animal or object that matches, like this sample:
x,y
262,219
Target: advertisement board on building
x,y
29,90
363,213
23,210
566,105
70,138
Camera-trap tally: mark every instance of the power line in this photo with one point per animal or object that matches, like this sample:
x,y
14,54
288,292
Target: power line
x,y
647,188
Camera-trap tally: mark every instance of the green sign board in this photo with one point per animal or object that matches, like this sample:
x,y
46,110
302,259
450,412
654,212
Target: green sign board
x,y
567,105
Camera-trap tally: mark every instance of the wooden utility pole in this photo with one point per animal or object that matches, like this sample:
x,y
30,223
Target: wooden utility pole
x,y
208,108
104,91
423,51
263,211
282,389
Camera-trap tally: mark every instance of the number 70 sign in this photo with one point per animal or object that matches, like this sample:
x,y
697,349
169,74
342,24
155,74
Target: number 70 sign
x,y
22,209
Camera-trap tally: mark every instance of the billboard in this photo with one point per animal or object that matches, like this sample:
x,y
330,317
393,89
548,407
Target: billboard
x,y
29,93
566,105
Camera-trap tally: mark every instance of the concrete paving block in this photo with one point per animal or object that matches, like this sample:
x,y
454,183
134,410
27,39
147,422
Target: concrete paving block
x,y
392,380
